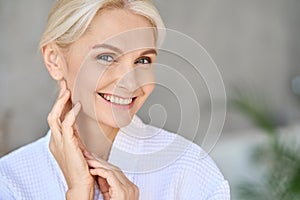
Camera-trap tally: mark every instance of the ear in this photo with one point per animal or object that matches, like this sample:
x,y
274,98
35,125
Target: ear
x,y
53,61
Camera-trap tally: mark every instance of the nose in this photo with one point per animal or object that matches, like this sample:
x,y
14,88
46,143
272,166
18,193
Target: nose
x,y
128,79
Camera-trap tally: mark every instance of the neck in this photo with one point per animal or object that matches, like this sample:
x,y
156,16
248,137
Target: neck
x,y
96,137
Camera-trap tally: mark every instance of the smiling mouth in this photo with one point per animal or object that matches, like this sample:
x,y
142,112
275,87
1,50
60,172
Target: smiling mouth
x,y
117,100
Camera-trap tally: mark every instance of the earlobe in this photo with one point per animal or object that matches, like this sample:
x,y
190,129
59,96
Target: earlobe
x,y
51,55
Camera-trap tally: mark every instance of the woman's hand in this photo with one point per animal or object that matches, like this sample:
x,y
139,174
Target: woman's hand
x,y
66,147
113,184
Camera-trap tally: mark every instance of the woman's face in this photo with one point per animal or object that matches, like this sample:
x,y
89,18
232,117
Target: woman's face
x,y
109,69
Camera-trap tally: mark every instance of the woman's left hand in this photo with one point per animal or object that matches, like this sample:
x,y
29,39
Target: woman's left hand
x,y
66,147
113,184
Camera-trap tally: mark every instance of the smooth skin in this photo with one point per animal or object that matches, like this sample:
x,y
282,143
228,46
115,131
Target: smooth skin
x,y
80,168
75,161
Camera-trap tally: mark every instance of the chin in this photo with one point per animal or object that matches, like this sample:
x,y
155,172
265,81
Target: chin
x,y
116,121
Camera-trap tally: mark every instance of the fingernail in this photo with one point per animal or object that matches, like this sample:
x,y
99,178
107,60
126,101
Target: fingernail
x,y
77,108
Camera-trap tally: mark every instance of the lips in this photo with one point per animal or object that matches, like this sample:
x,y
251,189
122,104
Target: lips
x,y
116,99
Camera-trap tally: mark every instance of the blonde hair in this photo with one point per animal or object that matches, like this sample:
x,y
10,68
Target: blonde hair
x,y
69,19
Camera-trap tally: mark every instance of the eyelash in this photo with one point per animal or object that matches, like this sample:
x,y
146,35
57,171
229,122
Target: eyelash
x,y
110,59
105,58
148,59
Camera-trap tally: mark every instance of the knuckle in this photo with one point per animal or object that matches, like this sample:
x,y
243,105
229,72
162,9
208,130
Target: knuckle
x,y
49,118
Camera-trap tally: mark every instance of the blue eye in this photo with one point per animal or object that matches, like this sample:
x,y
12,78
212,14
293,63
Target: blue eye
x,y
144,60
104,58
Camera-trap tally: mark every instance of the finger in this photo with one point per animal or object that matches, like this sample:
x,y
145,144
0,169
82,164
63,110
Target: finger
x,y
103,185
110,177
80,144
105,165
63,87
67,124
54,115
87,155
106,196
100,164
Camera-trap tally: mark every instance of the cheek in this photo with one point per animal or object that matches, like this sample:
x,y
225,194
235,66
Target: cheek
x,y
105,78
84,87
148,89
70,77
145,76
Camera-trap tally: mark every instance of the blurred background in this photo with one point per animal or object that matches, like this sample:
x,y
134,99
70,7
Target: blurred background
x,y
256,46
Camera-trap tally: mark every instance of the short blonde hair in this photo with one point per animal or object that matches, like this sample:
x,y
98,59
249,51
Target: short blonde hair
x,y
69,19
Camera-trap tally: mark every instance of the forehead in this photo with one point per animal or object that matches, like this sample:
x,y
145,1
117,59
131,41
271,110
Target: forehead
x,y
122,28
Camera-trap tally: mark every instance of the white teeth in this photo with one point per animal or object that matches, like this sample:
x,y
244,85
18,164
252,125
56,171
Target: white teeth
x,y
106,97
128,101
112,99
118,100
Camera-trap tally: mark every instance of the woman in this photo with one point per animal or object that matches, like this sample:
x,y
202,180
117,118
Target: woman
x,y
101,53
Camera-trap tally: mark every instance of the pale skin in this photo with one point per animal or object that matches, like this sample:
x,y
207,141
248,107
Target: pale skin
x,y
82,121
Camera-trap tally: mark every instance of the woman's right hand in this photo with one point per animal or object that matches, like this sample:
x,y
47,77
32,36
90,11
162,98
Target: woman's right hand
x,y
66,147
112,182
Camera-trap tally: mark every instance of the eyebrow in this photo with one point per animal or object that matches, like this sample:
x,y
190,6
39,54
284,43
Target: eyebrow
x,y
119,51
149,51
108,46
